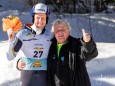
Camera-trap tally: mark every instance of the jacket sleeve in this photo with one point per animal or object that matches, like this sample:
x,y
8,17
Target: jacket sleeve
x,y
13,48
88,50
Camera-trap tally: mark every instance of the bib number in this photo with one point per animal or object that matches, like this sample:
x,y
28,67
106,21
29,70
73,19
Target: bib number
x,y
38,54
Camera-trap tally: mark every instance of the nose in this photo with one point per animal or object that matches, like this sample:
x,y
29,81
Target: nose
x,y
40,19
60,32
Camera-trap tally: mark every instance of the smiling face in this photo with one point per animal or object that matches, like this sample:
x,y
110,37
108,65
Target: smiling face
x,y
40,20
61,33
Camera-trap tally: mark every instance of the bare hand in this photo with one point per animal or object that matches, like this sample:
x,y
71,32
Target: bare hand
x,y
21,64
86,36
10,33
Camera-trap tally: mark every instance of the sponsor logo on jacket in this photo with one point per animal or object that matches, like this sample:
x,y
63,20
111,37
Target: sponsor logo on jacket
x,y
32,39
38,48
37,64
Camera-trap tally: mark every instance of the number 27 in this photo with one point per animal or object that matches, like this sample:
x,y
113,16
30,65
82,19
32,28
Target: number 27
x,y
36,54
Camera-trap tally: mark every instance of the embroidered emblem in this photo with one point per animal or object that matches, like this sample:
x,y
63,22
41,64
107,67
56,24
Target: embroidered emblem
x,y
28,34
62,59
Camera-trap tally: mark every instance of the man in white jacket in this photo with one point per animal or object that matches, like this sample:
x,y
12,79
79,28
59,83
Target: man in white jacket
x,y
34,42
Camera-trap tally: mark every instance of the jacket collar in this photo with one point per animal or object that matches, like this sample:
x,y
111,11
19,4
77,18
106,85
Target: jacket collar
x,y
34,29
37,30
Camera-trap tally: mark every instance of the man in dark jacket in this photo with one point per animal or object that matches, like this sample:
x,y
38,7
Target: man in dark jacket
x,y
67,56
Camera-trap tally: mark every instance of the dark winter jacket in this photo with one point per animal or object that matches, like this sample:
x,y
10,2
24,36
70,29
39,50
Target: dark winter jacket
x,y
69,68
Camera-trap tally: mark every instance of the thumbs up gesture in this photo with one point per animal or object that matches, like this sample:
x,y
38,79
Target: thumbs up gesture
x,y
86,36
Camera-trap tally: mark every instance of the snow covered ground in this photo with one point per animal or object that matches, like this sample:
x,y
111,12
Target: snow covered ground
x,y
102,27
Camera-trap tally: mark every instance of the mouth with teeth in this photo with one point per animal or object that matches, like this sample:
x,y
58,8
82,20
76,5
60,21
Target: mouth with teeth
x,y
61,36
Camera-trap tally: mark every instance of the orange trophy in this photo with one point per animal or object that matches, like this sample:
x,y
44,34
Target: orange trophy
x,y
11,22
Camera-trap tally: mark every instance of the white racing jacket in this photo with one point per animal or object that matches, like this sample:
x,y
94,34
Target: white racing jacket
x,y
35,48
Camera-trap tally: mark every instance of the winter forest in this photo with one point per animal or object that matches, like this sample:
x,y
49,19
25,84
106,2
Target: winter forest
x,y
79,6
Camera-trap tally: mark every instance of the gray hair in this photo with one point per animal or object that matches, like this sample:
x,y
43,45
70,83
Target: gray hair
x,y
62,22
